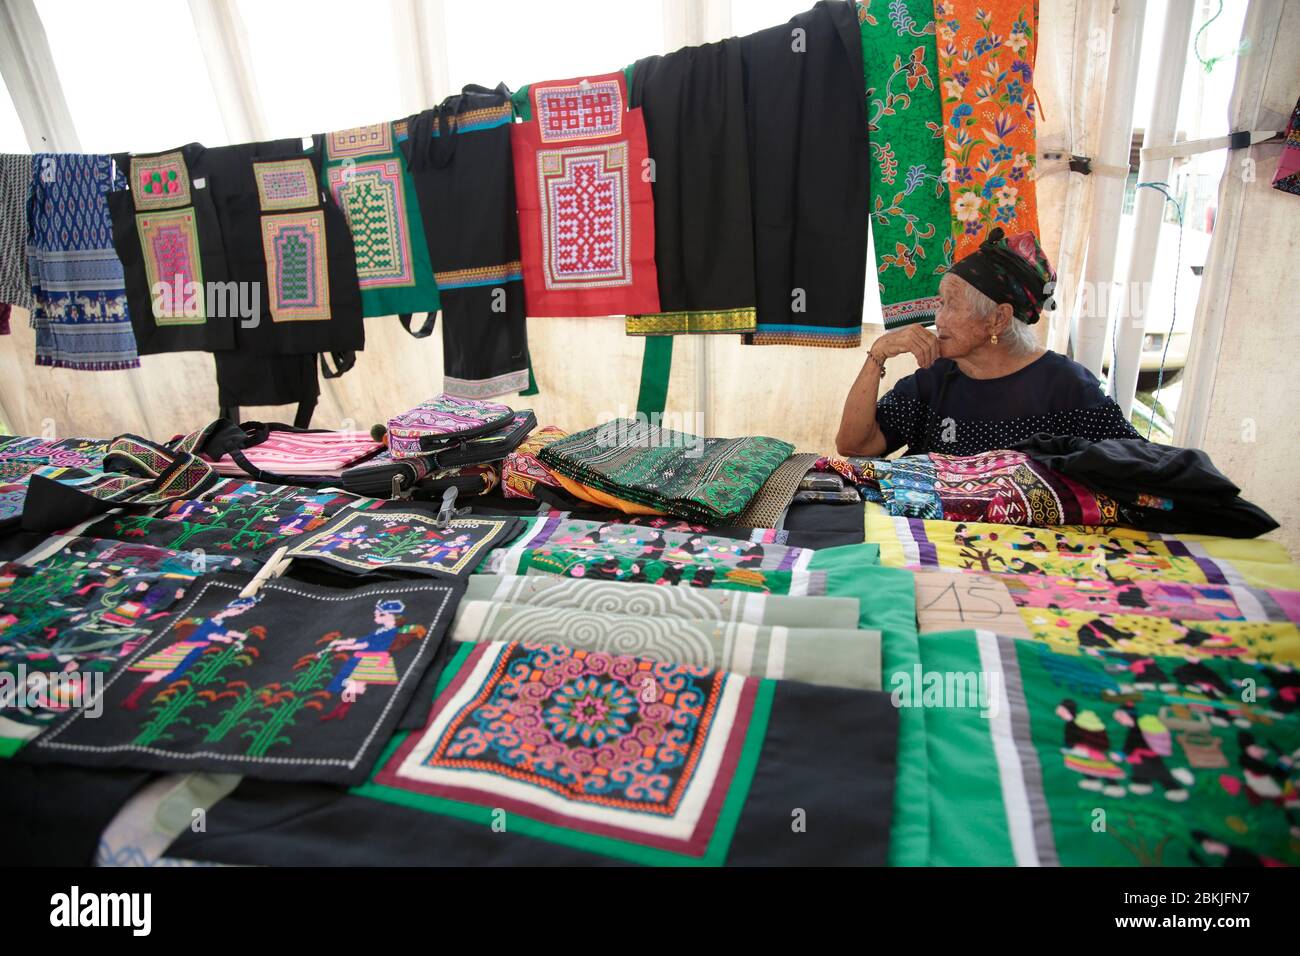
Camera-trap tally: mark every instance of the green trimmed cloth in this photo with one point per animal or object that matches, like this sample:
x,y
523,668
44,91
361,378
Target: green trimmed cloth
x,y
708,480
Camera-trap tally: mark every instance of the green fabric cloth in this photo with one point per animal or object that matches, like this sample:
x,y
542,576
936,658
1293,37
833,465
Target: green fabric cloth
x,y
910,204
639,571
692,604
1108,760
656,369
420,292
826,656
708,480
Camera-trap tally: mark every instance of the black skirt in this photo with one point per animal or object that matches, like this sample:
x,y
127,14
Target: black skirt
x,y
693,101
808,176
460,161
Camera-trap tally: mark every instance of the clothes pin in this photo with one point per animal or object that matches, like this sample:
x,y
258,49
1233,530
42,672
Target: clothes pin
x,y
273,568
448,511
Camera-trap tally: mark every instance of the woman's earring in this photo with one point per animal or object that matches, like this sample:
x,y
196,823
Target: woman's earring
x,y
994,339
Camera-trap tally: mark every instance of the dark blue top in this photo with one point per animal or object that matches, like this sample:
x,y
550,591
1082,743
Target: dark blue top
x,y
938,409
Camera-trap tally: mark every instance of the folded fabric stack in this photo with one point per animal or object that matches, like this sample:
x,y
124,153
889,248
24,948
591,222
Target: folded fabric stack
x,y
521,472
709,480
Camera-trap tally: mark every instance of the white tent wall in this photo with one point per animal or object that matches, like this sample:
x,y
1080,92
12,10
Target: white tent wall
x,y
1241,379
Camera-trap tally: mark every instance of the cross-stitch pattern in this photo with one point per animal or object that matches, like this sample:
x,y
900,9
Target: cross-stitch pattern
x,y
361,141
160,182
170,242
404,540
580,111
285,184
295,682
585,216
296,266
373,196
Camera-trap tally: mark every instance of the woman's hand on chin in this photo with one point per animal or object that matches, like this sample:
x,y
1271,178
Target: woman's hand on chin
x,y
917,339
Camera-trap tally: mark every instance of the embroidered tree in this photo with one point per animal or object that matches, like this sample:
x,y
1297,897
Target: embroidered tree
x,y
171,706
282,703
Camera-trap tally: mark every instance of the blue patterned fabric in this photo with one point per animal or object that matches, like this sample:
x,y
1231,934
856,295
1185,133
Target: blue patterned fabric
x,y
80,313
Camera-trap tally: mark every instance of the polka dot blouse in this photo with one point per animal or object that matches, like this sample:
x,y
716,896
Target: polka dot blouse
x,y
938,409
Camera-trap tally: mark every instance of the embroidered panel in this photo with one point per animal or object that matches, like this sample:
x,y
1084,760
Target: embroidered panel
x,y
160,182
360,141
286,184
373,196
581,111
616,747
404,540
296,682
297,266
585,216
173,266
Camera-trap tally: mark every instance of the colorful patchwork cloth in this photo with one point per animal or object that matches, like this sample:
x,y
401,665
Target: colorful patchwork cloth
x,y
167,234
1287,177
1106,760
586,212
987,50
522,472
910,211
1105,554
649,601
997,487
1144,618
264,685
826,656
460,160
20,456
694,105
704,479
388,540
78,291
367,176
303,453
76,612
15,187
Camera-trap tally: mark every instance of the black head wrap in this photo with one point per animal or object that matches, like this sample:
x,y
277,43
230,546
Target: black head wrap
x,y
1012,270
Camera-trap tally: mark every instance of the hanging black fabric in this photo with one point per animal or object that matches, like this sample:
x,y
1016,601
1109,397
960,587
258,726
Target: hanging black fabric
x,y
459,157
251,379
167,233
693,102
808,176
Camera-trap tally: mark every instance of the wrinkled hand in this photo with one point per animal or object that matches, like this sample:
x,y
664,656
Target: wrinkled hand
x,y
917,339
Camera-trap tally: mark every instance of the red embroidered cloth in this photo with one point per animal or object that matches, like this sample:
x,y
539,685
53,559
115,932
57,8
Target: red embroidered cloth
x,y
586,213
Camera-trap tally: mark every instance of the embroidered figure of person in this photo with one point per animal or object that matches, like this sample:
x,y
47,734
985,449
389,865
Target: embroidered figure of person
x,y
196,635
372,656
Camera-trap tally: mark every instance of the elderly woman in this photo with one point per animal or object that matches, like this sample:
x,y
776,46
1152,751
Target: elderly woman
x,y
983,380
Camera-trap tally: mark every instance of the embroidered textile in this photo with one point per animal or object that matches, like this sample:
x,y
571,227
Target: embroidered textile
x,y
405,541
705,479
1287,177
303,453
263,685
369,181
77,285
522,472
586,214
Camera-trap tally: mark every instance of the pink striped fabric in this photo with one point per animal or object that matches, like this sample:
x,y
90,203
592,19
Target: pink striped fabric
x,y
304,453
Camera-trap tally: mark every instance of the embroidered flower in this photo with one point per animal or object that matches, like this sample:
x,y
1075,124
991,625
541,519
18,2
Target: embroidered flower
x,y
1005,214
1006,195
967,208
1024,69
952,89
963,174
1015,92
1001,153
1017,41
962,77
991,185
960,113
987,44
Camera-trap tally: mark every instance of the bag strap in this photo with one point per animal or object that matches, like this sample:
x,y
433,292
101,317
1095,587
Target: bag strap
x,y
425,330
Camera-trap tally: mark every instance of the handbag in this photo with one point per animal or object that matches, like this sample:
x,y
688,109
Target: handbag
x,y
441,421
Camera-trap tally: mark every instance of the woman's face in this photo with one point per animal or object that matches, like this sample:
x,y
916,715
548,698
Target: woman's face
x,y
959,330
